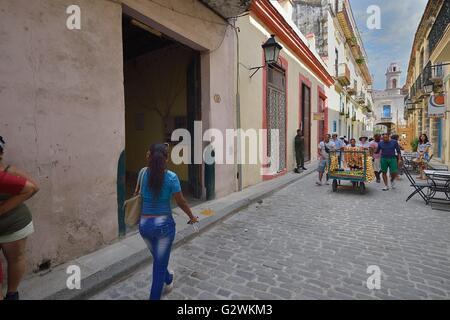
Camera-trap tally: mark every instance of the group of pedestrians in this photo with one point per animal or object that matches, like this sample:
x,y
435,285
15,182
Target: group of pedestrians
x,y
384,149
16,223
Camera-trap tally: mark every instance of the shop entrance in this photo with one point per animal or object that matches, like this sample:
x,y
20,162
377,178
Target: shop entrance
x,y
162,93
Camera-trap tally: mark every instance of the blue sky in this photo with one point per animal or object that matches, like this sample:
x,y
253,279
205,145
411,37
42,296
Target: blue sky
x,y
399,22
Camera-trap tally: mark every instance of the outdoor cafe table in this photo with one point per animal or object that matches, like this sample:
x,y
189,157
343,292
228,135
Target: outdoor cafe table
x,y
439,182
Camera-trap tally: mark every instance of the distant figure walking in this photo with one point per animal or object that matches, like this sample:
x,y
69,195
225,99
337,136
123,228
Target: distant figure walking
x,y
157,226
324,149
300,151
376,156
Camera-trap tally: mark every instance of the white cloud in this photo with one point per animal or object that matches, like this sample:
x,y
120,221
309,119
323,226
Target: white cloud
x,y
393,42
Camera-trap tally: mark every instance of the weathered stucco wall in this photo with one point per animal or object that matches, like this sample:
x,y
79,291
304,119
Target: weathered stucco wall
x,y
221,113
61,100
62,107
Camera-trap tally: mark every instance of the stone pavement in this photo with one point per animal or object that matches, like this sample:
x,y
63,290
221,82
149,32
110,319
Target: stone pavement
x,y
306,242
121,258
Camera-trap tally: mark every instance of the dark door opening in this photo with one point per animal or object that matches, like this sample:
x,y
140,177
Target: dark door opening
x,y
162,93
306,120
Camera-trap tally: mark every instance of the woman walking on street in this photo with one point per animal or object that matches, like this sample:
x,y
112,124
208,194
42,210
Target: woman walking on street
x,y
15,221
157,226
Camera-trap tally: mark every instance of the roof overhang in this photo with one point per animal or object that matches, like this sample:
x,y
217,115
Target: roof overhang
x,y
228,8
442,50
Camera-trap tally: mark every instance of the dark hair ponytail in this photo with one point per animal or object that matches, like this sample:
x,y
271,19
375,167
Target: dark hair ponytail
x,y
2,144
157,168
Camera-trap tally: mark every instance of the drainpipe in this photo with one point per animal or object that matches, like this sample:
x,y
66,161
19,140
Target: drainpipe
x,y
238,109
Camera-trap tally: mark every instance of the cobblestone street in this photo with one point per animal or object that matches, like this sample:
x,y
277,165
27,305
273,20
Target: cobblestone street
x,y
306,242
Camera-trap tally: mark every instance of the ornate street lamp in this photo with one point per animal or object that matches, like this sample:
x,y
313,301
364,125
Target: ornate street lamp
x,y
428,87
272,51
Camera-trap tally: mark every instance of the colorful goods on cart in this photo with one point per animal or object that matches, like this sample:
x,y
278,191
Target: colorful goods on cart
x,y
352,164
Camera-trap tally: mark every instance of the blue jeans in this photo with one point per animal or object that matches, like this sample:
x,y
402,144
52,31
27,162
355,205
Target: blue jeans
x,y
158,234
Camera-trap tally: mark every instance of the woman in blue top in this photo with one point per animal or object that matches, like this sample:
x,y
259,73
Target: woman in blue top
x,y
157,225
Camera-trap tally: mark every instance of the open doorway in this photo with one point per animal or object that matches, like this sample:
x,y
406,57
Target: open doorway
x,y
162,93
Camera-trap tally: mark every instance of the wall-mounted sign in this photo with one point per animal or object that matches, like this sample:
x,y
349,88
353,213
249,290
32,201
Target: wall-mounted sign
x,y
436,106
319,116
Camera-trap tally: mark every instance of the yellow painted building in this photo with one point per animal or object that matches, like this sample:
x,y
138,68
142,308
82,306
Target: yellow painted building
x,y
428,78
287,95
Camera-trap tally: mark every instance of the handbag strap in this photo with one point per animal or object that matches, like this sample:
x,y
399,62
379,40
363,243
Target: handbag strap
x,y
141,178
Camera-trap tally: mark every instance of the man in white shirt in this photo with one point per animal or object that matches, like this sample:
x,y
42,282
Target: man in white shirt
x,y
340,145
324,149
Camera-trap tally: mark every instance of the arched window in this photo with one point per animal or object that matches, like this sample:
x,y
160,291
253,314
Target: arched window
x,y
394,84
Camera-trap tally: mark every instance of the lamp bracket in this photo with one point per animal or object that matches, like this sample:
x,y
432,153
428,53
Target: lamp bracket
x,y
256,70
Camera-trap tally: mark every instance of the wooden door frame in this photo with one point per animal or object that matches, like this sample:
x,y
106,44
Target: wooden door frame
x,y
304,81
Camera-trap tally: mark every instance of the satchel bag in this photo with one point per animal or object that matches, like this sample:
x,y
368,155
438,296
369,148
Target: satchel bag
x,y
133,205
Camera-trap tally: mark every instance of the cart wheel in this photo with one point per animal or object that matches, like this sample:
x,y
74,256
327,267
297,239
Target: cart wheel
x,y
335,185
362,188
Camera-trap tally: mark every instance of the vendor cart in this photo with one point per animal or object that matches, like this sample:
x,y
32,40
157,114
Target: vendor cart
x,y
350,164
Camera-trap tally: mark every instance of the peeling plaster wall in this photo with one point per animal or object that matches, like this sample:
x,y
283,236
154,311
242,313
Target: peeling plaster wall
x,y
62,114
62,108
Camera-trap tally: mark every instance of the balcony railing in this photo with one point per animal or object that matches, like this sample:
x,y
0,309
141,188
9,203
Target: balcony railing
x,y
343,74
352,90
439,26
432,73
361,98
368,106
437,73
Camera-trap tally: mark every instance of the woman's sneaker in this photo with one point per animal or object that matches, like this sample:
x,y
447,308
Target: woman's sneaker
x,y
386,188
169,287
12,296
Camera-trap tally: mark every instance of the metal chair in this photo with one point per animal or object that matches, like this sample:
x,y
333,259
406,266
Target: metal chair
x,y
418,186
409,163
439,183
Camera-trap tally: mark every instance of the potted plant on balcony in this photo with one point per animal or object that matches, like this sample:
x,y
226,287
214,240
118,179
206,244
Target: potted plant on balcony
x,y
352,41
360,61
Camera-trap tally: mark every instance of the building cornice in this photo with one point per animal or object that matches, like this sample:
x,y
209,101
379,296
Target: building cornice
x,y
432,8
273,20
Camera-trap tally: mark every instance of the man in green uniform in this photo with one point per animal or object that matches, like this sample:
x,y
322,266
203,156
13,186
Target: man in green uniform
x,y
299,151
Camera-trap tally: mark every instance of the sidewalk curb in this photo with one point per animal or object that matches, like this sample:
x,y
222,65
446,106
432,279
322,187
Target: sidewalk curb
x,y
123,268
